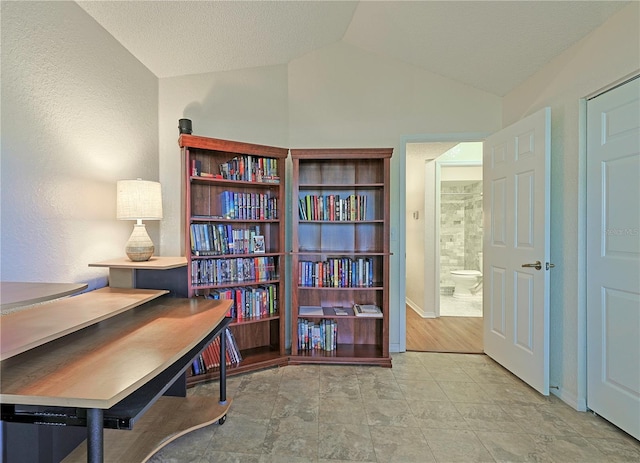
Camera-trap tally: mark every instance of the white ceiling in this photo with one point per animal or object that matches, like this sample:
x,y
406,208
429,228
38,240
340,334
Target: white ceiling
x,y
490,45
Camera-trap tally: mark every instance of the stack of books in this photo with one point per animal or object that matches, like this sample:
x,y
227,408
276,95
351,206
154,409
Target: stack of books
x,y
210,357
367,310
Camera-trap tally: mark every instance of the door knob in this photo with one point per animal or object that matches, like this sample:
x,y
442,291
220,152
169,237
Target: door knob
x,y
537,265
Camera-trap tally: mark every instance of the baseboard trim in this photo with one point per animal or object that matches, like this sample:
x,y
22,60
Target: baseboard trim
x,y
417,309
579,404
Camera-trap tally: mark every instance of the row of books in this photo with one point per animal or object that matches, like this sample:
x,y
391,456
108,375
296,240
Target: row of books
x,y
340,272
333,207
249,302
233,270
210,357
214,239
248,206
251,169
321,335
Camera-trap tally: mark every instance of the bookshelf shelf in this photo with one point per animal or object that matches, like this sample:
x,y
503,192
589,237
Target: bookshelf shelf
x,y
247,321
234,191
234,183
344,353
340,254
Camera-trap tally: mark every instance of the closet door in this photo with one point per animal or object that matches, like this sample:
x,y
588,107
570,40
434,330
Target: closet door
x,y
613,256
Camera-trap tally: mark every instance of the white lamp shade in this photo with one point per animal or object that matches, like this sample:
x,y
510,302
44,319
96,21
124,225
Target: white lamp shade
x,y
138,200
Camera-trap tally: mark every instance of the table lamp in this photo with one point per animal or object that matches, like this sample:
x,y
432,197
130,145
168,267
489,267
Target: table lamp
x,y
139,200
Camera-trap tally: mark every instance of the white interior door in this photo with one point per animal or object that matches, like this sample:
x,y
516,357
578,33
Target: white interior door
x,y
613,256
516,248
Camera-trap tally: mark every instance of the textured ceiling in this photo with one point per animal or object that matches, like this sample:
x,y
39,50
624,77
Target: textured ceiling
x,y
490,45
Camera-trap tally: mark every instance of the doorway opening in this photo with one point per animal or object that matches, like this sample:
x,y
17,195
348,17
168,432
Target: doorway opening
x,y
459,237
443,238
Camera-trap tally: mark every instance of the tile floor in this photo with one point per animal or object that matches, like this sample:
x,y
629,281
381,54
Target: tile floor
x,y
456,307
429,407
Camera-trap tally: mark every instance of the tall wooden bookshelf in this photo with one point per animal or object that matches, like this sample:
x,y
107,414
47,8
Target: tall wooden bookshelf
x,y
232,192
341,255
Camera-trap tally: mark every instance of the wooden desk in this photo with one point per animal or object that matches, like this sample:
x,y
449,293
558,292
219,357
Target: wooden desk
x,y
18,294
27,329
110,373
122,270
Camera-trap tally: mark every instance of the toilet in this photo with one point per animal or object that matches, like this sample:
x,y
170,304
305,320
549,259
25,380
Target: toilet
x,y
467,282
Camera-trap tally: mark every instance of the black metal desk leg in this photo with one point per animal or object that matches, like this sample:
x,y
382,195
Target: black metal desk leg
x,y
223,367
95,435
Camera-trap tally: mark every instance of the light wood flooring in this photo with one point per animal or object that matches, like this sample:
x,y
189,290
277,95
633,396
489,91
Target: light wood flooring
x,y
444,334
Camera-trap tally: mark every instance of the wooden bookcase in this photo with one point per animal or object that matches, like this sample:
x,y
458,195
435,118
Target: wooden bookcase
x,y
331,250
213,268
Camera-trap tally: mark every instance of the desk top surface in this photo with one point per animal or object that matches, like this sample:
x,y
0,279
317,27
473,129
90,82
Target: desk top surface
x,y
155,263
17,294
37,325
102,364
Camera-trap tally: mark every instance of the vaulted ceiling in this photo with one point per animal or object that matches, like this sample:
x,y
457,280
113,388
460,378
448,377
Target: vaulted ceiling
x,y
491,45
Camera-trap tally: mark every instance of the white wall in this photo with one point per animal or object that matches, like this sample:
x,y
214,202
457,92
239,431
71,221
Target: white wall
x,y
79,112
461,173
341,95
415,229
605,56
248,105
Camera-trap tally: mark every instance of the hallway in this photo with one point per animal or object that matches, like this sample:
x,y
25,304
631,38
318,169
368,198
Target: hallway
x,y
444,334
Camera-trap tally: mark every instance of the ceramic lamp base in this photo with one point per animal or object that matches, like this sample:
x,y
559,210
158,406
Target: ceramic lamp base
x,y
139,248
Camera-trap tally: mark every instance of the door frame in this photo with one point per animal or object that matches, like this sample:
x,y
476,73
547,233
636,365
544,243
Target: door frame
x,y
402,226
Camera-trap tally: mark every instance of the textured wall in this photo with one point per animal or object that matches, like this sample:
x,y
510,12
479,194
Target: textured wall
x,y
248,105
415,228
79,112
